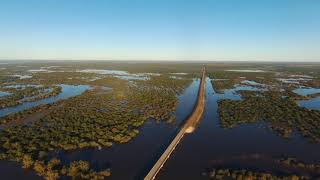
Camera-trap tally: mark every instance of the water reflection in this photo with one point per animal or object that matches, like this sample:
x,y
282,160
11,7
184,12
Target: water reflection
x,y
313,103
234,95
3,93
306,91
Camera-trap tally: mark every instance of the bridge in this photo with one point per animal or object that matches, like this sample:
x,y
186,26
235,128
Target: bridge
x,y
188,127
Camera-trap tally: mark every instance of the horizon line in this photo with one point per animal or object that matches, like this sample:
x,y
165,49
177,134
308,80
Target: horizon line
x,y
163,60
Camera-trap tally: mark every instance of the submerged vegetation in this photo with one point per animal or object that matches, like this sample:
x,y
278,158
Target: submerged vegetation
x,y
220,173
291,169
22,93
122,97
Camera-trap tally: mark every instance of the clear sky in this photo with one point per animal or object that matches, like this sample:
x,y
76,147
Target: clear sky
x,y
276,30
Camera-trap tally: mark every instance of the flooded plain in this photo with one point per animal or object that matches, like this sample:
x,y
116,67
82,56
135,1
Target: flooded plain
x,y
251,145
3,93
313,103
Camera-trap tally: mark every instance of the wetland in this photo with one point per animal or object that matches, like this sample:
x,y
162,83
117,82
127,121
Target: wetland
x,y
98,120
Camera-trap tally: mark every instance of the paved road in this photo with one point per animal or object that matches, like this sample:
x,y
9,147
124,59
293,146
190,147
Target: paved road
x,y
188,127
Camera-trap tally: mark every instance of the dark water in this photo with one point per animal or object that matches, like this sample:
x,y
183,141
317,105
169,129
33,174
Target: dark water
x,y
212,146
67,92
13,171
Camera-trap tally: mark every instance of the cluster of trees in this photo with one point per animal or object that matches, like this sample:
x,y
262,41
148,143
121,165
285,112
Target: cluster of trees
x,y
293,162
228,79
19,116
220,173
277,106
53,169
221,85
281,113
45,93
291,166
157,98
27,94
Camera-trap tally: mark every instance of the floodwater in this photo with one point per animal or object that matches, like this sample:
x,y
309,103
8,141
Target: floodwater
x,y
250,145
22,86
232,93
3,93
313,103
306,91
121,74
67,92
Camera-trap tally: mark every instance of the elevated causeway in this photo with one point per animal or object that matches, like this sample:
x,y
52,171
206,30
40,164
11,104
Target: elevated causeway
x,y
188,127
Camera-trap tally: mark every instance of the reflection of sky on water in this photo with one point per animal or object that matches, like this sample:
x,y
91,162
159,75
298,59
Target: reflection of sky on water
x,y
313,103
121,74
306,91
232,93
3,93
22,86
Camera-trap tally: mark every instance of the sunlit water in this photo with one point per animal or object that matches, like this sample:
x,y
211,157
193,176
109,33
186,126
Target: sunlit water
x,y
313,103
306,91
233,94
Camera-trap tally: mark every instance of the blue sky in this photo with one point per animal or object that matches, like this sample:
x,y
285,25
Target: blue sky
x,y
268,30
